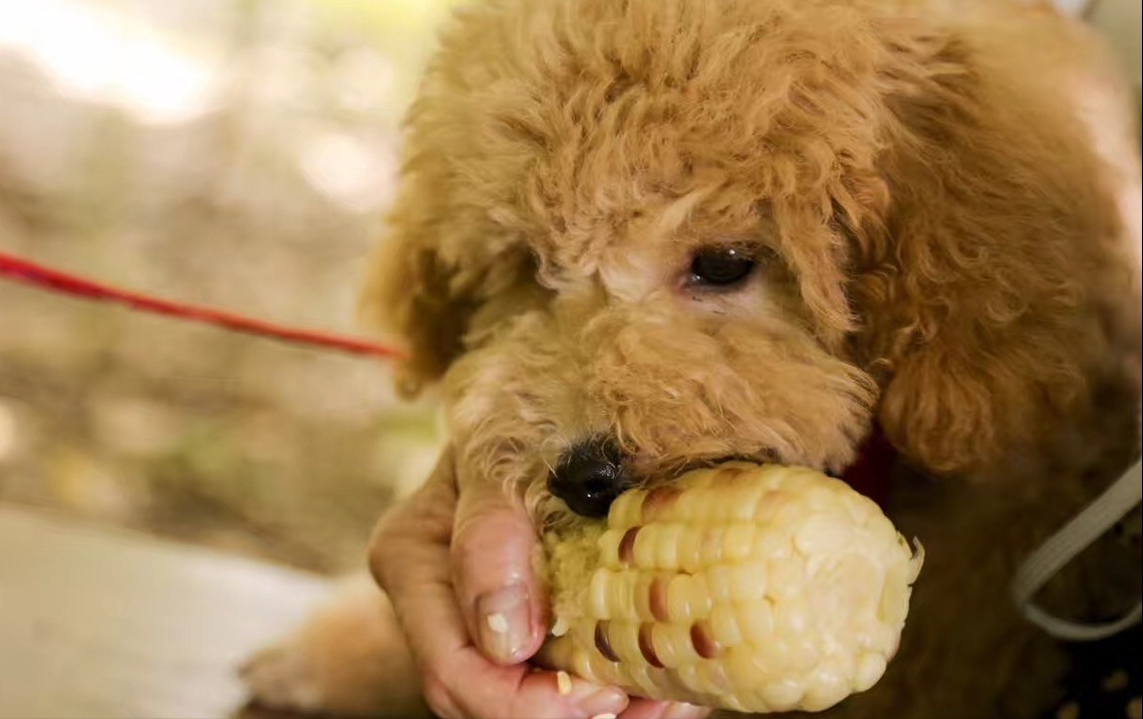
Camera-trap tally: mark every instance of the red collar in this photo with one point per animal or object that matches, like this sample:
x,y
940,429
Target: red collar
x,y
871,473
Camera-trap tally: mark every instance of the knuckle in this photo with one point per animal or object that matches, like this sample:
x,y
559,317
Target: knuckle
x,y
377,570
485,529
471,560
383,548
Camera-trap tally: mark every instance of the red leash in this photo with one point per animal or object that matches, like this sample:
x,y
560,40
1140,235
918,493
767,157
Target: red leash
x,y
869,475
54,281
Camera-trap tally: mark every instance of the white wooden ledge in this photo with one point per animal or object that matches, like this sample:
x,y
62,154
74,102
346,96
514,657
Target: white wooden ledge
x,y
105,624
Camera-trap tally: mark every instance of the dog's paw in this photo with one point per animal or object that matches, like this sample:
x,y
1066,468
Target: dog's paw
x,y
284,677
348,659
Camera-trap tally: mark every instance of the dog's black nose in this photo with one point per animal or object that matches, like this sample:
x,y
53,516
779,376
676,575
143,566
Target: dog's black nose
x,y
589,476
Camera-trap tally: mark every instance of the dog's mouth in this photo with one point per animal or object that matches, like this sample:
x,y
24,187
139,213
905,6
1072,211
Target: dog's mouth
x,y
870,473
593,474
759,458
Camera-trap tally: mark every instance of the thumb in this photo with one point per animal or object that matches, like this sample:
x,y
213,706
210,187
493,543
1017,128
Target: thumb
x,y
500,597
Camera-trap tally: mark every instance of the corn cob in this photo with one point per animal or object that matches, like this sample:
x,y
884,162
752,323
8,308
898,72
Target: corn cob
x,y
745,587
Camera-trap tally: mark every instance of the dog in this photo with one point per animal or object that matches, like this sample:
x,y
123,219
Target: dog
x,y
656,234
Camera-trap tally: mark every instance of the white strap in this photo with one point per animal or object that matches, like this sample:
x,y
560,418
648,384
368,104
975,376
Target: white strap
x,y
1111,506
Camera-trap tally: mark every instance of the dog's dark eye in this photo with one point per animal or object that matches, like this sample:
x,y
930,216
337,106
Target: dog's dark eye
x,y
720,267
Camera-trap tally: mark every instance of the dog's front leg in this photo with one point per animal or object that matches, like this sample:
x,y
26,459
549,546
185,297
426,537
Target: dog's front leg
x,y
348,659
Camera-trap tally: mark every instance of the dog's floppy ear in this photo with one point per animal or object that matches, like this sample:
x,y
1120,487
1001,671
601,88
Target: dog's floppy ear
x,y
982,281
443,274
415,294
453,261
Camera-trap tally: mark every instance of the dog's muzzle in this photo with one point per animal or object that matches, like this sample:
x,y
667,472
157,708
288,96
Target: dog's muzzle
x,y
589,476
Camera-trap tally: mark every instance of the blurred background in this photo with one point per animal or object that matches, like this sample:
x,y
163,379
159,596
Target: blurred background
x,y
234,153
239,154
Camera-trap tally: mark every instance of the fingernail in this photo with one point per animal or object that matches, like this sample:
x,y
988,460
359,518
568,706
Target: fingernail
x,y
505,624
599,702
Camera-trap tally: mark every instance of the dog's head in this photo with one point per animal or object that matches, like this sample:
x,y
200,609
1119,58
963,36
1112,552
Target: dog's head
x,y
637,236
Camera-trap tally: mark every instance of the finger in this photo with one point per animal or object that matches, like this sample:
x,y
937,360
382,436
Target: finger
x,y
462,683
424,519
520,692
647,709
493,547
410,558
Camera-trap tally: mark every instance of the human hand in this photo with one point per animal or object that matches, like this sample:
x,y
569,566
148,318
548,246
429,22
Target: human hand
x,y
456,562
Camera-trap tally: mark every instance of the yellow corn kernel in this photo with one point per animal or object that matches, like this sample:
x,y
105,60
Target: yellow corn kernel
x,y
563,683
724,625
738,541
746,587
628,508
